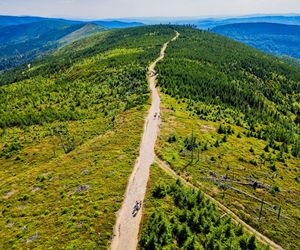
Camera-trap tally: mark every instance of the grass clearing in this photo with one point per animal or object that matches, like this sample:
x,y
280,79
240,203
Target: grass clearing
x,y
70,131
78,193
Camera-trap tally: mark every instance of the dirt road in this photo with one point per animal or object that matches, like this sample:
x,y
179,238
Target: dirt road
x,y
127,226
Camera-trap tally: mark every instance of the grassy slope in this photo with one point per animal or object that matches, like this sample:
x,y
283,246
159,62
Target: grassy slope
x,y
99,97
84,31
234,157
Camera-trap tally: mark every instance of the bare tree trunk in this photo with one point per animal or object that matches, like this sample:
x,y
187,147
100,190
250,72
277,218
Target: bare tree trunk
x,y
261,209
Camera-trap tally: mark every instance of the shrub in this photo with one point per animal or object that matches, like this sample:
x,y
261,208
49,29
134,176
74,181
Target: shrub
x,y
160,190
25,197
225,130
274,190
11,149
172,138
241,159
273,167
267,148
190,143
252,243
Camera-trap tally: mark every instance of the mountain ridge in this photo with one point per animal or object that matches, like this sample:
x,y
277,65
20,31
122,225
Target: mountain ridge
x,y
17,20
23,43
277,39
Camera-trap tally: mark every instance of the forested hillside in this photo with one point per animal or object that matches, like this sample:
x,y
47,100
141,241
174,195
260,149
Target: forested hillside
x,y
277,39
114,24
69,135
231,126
71,125
263,92
21,44
179,217
16,20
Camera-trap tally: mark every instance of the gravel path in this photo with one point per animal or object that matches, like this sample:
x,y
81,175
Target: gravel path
x,y
127,226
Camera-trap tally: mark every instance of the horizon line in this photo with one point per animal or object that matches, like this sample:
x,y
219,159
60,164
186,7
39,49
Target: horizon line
x,y
160,17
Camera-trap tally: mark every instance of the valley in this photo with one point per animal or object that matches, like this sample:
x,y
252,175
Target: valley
x,y
78,135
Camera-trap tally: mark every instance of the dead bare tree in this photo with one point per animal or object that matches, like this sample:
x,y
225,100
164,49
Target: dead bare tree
x,y
67,141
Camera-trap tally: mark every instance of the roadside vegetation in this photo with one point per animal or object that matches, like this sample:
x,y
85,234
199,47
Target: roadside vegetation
x,y
179,217
231,126
70,130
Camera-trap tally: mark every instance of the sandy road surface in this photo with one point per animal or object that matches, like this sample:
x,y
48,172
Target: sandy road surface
x,y
127,226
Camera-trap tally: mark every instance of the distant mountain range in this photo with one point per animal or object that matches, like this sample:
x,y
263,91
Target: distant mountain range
x,y
277,39
211,23
17,20
208,23
278,35
22,39
22,43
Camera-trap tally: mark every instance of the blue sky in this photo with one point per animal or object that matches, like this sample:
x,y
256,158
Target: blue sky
x,y
91,9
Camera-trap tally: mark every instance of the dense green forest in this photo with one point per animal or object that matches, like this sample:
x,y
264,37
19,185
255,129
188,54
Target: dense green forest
x,y
70,129
231,127
178,217
261,91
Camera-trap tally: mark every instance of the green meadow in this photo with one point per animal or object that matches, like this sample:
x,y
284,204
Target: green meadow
x,y
69,136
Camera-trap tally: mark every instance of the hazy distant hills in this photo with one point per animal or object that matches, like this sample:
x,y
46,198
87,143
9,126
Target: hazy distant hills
x,y
204,23
278,35
15,20
22,43
117,24
44,30
24,38
278,39
213,22
208,23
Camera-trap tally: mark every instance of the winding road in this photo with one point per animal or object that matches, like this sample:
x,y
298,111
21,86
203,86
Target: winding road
x,y
126,229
